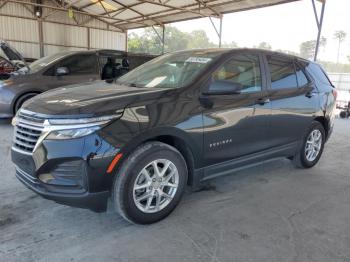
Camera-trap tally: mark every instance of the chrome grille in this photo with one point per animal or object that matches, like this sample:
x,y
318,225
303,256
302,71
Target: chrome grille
x,y
27,132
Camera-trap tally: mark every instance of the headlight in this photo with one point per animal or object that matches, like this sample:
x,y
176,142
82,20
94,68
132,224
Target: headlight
x,y
6,82
72,133
59,129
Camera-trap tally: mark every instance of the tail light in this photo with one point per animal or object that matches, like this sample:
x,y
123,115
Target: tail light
x,y
335,93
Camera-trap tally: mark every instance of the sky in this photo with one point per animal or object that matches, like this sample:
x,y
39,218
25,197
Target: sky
x,y
283,27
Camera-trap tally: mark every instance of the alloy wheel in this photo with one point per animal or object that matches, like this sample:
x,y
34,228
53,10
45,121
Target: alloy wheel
x,y
155,186
313,145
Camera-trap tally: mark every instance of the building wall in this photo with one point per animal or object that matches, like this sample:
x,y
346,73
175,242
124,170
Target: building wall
x,y
21,29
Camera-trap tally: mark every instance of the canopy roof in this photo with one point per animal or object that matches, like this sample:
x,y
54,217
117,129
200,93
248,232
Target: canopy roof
x,y
130,14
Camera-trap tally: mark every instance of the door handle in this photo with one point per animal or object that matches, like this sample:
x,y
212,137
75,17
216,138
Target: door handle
x,y
309,94
262,101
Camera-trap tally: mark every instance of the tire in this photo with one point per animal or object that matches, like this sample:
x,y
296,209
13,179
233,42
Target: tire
x,y
125,196
305,159
21,100
343,114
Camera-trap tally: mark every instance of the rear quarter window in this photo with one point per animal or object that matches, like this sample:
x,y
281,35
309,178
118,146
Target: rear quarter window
x,y
321,79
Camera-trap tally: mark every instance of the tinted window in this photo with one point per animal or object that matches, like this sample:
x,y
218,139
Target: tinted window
x,y
243,70
103,60
79,64
282,73
317,72
302,80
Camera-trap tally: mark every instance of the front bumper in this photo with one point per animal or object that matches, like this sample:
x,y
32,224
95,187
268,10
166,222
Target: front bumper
x,y
94,201
70,172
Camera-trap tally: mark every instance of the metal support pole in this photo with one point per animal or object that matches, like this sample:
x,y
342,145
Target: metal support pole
x,y
220,35
218,32
319,27
88,38
41,37
126,41
163,39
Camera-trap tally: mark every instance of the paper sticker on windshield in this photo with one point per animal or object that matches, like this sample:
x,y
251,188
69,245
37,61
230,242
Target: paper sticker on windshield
x,y
156,81
201,60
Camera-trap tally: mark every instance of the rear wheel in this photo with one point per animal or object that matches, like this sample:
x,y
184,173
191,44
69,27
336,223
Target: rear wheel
x,y
312,147
150,183
343,114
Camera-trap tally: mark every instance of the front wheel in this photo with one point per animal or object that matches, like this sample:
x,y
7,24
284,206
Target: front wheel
x,y
150,183
312,147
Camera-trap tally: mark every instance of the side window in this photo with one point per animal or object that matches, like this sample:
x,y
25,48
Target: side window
x,y
50,71
301,77
317,72
282,73
103,60
79,64
242,71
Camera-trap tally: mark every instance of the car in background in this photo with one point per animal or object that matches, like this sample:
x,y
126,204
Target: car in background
x,y
63,69
182,118
10,60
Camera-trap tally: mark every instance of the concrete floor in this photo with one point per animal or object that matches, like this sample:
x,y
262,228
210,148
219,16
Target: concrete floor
x,y
268,213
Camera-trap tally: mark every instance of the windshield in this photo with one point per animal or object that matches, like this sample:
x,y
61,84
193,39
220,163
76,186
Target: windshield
x,y
170,70
42,62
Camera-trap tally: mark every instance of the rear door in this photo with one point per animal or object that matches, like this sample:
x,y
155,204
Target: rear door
x,y
293,99
236,125
82,68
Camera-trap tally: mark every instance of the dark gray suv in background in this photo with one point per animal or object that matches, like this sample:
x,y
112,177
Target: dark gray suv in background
x,y
182,118
63,69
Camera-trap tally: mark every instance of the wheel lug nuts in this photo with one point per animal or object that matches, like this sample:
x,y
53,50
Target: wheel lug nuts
x,y
154,180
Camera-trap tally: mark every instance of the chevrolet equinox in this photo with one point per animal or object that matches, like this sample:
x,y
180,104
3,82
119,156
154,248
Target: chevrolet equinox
x,y
179,119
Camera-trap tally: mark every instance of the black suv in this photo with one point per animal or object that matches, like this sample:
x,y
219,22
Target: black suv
x,y
182,118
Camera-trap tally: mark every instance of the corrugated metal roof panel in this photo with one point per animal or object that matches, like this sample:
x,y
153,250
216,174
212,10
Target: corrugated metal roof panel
x,y
141,13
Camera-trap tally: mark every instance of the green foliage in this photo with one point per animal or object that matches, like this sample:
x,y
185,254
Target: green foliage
x,y
307,49
340,35
149,41
264,45
335,67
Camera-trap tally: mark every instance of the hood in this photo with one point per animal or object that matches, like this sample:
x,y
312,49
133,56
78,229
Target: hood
x,y
88,100
11,53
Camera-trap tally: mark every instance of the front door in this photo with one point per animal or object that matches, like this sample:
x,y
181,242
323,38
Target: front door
x,y
236,124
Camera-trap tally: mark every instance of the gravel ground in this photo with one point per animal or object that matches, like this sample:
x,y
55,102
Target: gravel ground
x,y
273,212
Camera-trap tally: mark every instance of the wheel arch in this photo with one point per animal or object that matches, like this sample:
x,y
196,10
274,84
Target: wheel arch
x,y
21,95
325,123
174,137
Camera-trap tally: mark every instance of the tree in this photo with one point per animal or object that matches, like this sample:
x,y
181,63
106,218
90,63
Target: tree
x,y
199,39
307,48
264,45
340,36
149,41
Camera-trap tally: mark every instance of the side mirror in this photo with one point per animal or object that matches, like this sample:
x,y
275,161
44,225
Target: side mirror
x,y
62,71
223,87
